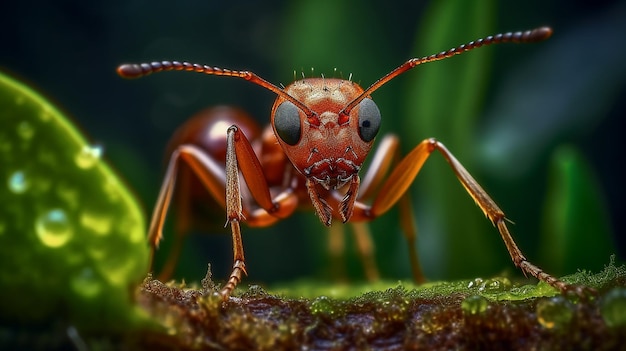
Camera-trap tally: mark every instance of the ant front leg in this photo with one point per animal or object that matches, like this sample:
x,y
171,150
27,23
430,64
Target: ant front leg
x,y
240,156
224,186
406,171
234,209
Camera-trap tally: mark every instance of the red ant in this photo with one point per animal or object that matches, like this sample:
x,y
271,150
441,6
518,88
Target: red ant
x,y
321,130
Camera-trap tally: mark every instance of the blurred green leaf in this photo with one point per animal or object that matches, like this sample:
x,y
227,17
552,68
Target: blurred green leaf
x,y
576,234
71,235
529,116
561,94
442,100
317,37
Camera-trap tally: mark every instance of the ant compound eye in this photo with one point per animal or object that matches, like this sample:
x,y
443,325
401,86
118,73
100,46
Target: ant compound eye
x,y
369,119
287,123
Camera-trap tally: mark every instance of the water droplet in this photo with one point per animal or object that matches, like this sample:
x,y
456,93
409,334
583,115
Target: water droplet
x,y
25,130
555,312
474,304
86,283
88,156
477,282
613,308
53,228
495,285
18,182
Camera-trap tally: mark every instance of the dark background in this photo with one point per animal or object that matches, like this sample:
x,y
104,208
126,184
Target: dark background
x,y
68,50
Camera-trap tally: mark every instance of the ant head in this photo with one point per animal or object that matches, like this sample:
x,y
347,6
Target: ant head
x,y
329,146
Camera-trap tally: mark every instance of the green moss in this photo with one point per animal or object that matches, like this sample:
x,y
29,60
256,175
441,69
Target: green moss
x,y
71,235
472,314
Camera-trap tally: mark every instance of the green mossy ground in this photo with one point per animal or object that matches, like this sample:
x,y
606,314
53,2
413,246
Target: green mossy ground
x,y
479,314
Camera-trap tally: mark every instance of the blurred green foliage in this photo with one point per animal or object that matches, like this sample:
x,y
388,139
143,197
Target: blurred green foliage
x,y
576,230
444,101
72,241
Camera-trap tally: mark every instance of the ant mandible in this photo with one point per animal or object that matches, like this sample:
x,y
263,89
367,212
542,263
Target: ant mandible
x,y
321,130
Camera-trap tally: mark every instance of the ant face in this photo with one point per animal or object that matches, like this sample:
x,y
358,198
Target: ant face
x,y
329,147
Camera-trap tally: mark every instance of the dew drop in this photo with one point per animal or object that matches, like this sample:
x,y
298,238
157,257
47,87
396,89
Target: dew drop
x,y
477,282
474,305
554,313
86,283
495,285
88,156
18,182
613,308
53,228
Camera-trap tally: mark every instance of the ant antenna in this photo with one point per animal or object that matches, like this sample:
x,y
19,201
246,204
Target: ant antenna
x,y
132,70
529,36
